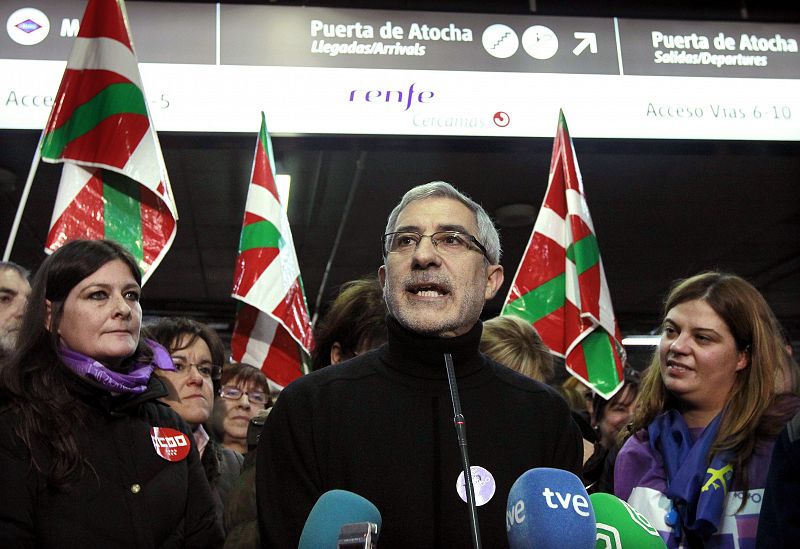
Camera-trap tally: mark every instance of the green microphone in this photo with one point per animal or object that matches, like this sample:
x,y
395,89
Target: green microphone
x,y
620,526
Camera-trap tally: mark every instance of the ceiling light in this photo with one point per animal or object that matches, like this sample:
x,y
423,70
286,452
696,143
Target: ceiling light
x,y
516,215
645,340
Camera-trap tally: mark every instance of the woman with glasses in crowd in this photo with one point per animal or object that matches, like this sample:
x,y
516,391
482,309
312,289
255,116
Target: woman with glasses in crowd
x,y
198,354
88,455
707,416
237,419
244,394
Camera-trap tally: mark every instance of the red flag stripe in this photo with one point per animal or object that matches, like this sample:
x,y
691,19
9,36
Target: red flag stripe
x,y
589,284
103,19
82,218
551,330
294,304
283,363
157,224
77,87
556,199
262,171
250,265
250,218
576,361
580,229
246,318
106,144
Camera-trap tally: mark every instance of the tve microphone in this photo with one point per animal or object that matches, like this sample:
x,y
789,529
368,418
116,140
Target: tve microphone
x,y
549,508
333,510
620,526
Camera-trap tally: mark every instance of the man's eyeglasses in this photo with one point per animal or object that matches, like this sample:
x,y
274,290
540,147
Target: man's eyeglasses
x,y
445,242
258,398
207,370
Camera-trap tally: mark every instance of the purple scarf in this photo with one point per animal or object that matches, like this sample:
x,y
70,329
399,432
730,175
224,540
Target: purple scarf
x,y
134,382
697,495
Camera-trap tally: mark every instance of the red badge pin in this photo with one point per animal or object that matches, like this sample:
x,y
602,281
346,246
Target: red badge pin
x,y
170,444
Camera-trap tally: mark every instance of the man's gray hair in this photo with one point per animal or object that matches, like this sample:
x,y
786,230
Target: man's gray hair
x,y
487,232
19,269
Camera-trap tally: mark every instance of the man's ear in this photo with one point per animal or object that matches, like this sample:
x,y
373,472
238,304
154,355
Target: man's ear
x,y
494,280
336,352
48,313
382,275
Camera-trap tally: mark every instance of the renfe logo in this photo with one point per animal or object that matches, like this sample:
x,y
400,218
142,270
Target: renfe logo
x,y
392,96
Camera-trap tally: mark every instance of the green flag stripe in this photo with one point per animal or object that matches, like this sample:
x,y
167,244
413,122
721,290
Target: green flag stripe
x,y
600,364
539,302
122,212
261,234
115,99
585,253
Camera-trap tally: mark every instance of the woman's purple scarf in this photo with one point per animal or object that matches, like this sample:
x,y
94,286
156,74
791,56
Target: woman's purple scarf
x,y
698,499
134,382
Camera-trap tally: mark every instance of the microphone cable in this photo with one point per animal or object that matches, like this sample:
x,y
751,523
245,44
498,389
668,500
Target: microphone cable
x,y
461,434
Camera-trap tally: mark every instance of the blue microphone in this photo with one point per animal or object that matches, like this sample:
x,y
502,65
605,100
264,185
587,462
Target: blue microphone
x,y
334,509
549,509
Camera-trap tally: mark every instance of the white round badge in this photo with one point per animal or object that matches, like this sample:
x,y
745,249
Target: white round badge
x,y
28,26
482,483
500,41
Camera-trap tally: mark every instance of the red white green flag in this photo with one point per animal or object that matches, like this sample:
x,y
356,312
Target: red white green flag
x,y
273,328
114,183
560,286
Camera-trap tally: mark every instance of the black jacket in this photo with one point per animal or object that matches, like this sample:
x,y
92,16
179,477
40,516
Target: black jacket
x,y
779,523
129,496
381,425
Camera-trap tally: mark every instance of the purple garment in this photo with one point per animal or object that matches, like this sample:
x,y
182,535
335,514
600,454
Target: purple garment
x,y
639,472
134,381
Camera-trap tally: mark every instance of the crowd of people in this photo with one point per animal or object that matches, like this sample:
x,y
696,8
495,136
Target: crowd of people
x,y
119,434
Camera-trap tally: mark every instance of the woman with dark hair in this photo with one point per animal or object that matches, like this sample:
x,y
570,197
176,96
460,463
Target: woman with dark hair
x,y
608,419
197,354
88,456
354,323
707,415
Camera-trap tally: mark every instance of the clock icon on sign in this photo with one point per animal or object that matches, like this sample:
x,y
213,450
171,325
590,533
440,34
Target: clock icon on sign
x,y
501,119
540,42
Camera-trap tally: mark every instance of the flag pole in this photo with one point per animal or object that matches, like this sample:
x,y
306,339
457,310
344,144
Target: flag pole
x,y
345,215
23,199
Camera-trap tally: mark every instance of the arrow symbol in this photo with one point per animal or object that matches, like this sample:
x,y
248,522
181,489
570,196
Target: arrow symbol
x,y
587,39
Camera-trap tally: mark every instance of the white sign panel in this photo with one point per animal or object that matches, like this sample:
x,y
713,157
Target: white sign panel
x,y
337,71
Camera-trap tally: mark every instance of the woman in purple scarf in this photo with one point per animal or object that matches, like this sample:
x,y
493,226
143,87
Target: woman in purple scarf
x,y
708,413
88,455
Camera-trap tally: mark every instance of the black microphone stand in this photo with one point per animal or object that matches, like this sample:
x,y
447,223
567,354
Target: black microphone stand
x,y
461,434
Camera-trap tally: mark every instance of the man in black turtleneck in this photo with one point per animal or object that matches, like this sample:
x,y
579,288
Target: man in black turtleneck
x,y
381,424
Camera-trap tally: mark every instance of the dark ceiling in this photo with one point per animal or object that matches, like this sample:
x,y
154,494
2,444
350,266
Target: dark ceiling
x,y
661,209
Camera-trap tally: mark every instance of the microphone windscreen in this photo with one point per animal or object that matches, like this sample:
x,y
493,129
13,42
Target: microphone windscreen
x,y
333,510
620,526
549,508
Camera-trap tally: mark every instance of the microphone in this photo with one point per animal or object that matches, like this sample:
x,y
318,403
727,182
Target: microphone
x,y
549,509
333,510
619,525
461,435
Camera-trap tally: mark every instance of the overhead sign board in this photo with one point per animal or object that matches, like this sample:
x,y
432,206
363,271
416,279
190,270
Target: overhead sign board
x,y
213,68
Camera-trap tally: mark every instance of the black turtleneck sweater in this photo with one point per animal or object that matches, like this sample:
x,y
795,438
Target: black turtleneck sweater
x,y
381,425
